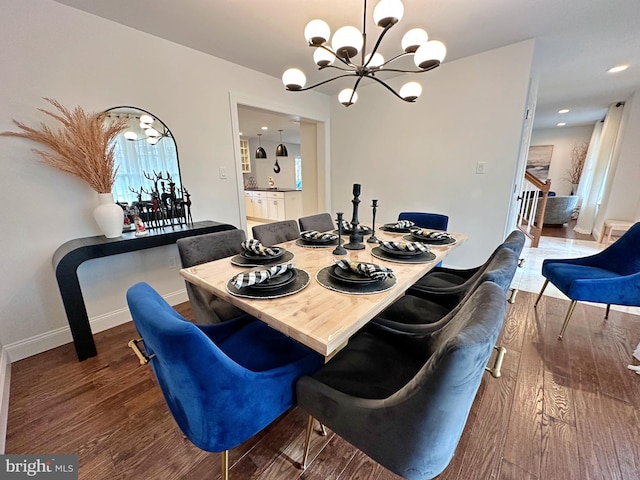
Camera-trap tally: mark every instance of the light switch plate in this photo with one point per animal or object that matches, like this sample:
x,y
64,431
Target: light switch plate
x,y
480,167
223,173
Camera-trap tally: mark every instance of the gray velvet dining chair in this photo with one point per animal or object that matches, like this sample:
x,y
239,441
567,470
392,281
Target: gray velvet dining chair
x,y
206,307
405,402
444,279
422,312
276,232
320,222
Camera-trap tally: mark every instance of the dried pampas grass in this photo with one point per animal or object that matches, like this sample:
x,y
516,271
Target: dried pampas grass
x,y
83,147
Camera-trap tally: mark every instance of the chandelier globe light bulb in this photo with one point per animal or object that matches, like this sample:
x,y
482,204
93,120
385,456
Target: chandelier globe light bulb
x,y
388,12
410,91
345,97
294,79
323,57
347,42
414,39
317,32
376,62
430,55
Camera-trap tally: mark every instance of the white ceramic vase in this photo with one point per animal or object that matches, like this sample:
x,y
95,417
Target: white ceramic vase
x,y
109,216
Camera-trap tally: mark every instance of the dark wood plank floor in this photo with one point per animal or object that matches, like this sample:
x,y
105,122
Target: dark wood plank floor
x,y
562,410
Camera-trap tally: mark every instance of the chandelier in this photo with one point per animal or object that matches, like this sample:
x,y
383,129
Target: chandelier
x,y
348,42
151,135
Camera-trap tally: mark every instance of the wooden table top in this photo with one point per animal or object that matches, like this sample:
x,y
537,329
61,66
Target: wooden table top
x,y
320,318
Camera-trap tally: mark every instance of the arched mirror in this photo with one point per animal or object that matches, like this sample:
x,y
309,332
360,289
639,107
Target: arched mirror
x,y
146,156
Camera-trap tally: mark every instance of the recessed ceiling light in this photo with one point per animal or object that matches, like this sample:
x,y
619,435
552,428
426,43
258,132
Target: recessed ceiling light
x,y
564,110
265,128
561,124
618,68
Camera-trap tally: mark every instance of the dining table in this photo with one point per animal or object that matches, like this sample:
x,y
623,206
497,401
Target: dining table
x,y
317,315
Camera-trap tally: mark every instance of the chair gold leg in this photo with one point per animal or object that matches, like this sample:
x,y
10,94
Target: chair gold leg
x,y
512,296
496,370
606,314
544,285
566,319
323,430
521,262
224,461
307,442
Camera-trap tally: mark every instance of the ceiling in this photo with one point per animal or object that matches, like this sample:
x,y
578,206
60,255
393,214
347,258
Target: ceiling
x,y
577,41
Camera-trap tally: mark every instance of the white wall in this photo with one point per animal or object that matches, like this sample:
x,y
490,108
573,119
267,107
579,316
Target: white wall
x,y
52,50
563,140
423,156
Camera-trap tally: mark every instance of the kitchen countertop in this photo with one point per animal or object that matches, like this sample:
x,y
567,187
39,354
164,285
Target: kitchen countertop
x,y
267,189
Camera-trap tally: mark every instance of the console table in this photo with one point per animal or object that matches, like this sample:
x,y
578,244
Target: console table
x,y
71,254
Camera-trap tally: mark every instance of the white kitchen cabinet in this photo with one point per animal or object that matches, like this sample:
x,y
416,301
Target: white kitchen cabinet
x,y
269,205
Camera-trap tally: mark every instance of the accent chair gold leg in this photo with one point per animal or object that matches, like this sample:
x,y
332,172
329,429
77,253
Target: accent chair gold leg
x,y
496,370
521,262
606,314
323,430
307,442
566,319
512,296
544,285
224,461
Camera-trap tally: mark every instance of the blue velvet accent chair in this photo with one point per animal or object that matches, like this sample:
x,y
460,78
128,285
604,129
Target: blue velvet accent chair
x,y
437,221
207,308
276,232
443,279
321,222
611,276
403,401
223,383
423,312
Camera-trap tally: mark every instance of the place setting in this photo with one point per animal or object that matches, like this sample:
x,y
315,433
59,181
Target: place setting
x,y
431,237
315,239
403,252
347,229
254,254
401,226
273,281
356,278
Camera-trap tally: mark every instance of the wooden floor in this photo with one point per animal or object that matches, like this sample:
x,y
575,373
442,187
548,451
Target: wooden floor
x,y
562,410
566,231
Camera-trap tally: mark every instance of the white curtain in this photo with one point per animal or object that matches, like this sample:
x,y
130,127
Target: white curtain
x,y
135,158
603,142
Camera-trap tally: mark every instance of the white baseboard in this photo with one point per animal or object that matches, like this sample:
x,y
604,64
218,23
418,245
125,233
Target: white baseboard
x,y
61,336
5,381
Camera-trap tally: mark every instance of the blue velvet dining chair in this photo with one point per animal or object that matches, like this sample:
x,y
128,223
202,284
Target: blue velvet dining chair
x,y
223,383
437,221
405,402
611,276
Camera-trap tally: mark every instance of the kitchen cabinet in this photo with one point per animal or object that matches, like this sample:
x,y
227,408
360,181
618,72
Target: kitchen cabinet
x,y
270,205
245,160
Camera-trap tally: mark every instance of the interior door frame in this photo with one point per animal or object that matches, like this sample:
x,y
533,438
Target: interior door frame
x,y
323,173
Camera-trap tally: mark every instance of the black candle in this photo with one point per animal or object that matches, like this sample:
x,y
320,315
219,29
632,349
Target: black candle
x,y
356,189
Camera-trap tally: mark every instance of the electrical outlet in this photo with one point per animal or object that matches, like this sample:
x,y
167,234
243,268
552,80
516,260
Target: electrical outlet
x,y
480,167
223,173
173,263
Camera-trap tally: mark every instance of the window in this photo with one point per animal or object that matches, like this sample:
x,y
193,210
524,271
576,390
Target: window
x,y
298,167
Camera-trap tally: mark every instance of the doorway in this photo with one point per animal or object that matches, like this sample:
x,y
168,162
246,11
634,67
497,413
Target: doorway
x,y
303,171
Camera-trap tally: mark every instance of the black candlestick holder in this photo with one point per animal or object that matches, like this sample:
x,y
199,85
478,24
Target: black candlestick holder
x,y
372,238
339,250
355,238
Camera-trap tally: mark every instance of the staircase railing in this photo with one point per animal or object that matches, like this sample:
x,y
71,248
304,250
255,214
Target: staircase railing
x,y
530,216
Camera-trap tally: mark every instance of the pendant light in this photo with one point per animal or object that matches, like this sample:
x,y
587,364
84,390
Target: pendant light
x,y
260,152
281,150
